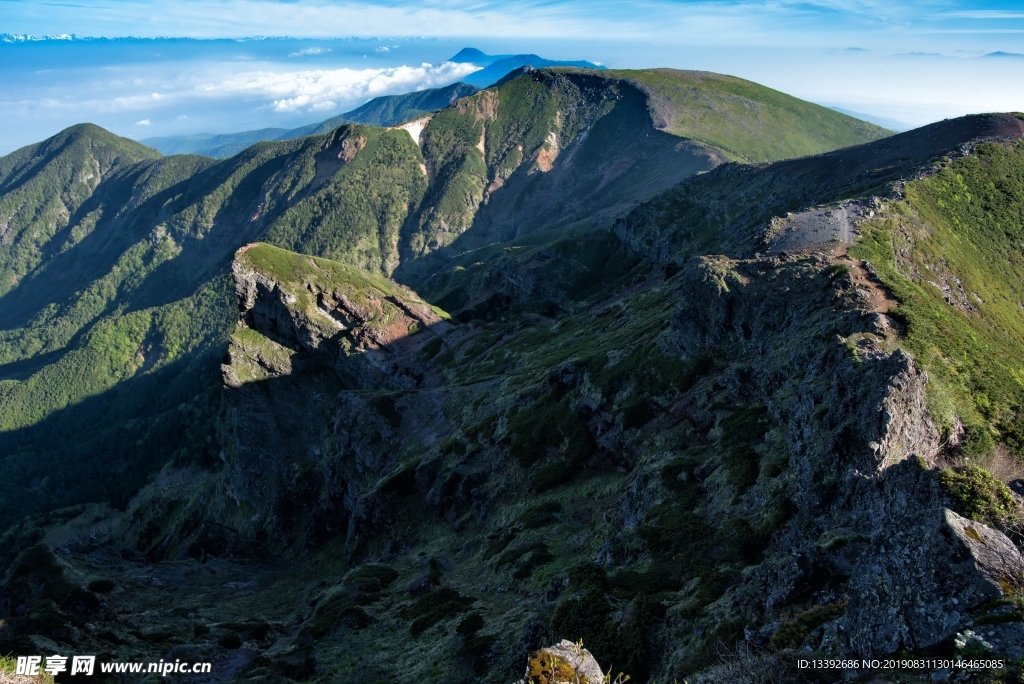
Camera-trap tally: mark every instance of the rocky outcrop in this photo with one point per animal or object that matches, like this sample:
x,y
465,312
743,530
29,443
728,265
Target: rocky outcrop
x,y
920,579
311,424
861,442
368,331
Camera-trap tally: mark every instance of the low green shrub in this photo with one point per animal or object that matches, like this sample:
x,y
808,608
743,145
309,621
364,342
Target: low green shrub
x,y
470,625
977,494
587,575
383,574
532,561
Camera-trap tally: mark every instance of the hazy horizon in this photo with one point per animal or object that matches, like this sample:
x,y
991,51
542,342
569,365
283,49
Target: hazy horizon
x,y
910,65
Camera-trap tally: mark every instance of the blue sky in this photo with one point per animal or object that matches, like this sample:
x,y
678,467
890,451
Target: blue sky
x,y
932,25
913,62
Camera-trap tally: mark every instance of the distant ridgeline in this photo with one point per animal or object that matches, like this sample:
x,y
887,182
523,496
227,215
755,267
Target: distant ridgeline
x,y
388,110
665,361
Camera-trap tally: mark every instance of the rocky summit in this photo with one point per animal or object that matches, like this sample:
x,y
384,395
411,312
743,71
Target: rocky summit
x,y
705,377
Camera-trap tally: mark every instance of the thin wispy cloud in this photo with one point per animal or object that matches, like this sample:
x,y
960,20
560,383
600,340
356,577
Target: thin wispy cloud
x,y
310,51
285,91
780,23
982,14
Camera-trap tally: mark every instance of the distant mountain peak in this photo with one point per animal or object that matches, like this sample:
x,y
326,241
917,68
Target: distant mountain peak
x,y
498,67
473,56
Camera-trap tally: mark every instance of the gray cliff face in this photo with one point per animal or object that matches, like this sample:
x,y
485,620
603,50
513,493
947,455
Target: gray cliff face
x,y
303,457
860,440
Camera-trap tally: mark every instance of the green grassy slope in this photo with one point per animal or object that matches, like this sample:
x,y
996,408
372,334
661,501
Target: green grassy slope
x,y
952,252
749,121
394,109
554,146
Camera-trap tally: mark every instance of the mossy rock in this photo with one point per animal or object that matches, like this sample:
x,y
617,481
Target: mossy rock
x,y
547,668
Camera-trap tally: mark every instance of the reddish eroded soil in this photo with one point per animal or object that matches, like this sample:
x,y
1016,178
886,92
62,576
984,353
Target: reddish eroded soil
x,y
341,148
878,296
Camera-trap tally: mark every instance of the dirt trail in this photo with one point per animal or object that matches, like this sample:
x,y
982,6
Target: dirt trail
x,y
835,228
877,295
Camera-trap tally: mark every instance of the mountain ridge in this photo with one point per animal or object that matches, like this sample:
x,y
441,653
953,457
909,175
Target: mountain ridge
x,y
385,111
543,371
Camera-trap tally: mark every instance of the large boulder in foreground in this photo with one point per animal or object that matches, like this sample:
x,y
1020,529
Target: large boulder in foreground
x,y
917,583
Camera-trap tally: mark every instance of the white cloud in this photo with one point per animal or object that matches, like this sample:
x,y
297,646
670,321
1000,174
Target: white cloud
x,y
144,122
324,89
382,48
311,51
